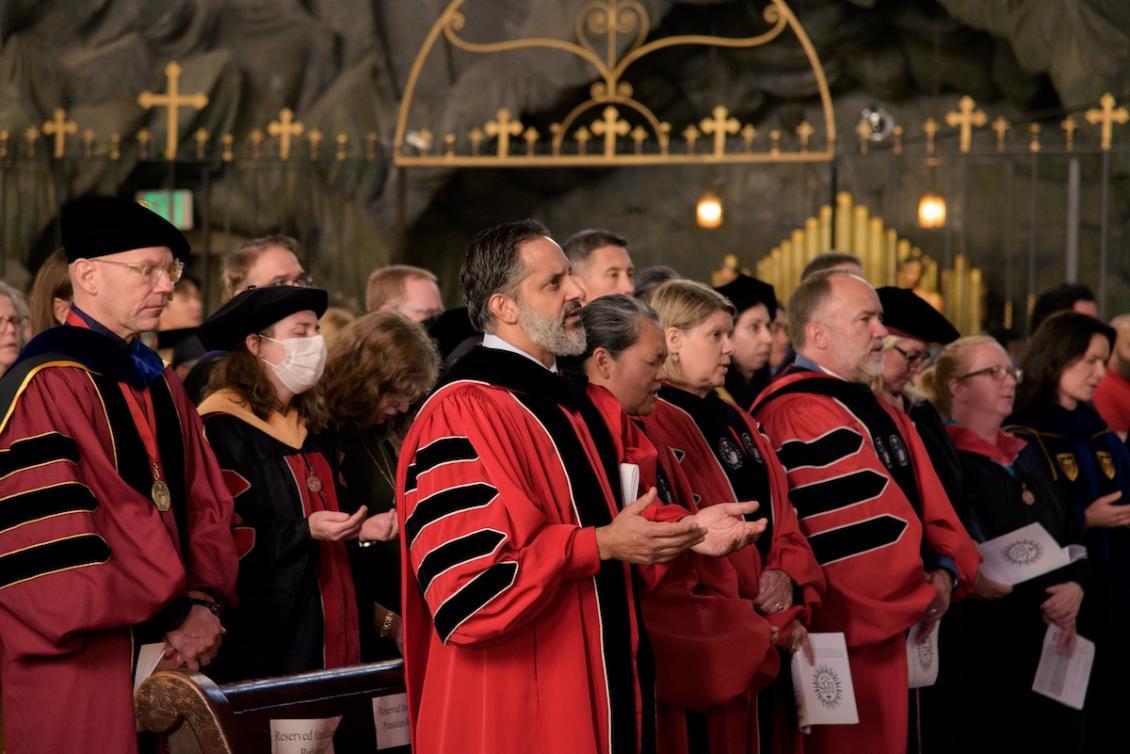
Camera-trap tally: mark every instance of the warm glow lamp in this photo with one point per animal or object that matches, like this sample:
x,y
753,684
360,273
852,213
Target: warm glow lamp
x,y
932,211
708,211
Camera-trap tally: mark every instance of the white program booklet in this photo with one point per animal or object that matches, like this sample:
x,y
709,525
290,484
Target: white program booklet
x,y
1064,678
1025,554
922,659
314,736
824,694
629,482
149,657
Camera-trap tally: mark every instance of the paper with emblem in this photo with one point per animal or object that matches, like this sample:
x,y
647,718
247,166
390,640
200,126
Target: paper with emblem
x,y
823,690
921,658
1024,554
1061,677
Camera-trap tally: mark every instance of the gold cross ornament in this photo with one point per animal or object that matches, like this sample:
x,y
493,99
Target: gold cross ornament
x,y
748,133
690,133
1108,115
531,136
503,128
610,126
60,128
172,101
284,128
966,117
582,135
639,136
720,125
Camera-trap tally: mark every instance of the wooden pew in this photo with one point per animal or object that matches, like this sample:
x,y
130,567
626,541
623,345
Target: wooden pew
x,y
201,717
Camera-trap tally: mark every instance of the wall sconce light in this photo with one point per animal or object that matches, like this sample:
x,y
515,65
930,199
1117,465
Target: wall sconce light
x,y
708,211
932,211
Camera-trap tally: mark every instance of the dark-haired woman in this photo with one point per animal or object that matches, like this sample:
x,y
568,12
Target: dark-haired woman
x,y
1065,360
297,601
755,308
726,457
713,652
378,367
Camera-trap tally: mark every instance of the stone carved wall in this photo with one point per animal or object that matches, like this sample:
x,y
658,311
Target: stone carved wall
x,y
341,65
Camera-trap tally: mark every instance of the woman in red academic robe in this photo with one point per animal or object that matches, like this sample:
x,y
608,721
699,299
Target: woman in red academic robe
x,y
713,652
725,456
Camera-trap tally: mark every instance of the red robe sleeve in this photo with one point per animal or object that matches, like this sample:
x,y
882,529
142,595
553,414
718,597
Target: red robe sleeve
x,y
212,562
80,550
512,555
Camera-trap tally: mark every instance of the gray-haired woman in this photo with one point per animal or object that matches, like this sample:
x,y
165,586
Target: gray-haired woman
x,y
13,325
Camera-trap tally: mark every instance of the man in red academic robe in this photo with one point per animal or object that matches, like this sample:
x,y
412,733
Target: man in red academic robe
x,y
521,613
869,501
115,522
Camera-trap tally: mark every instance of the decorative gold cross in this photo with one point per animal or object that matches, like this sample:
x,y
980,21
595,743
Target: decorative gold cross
x,y
664,137
1108,115
60,128
804,132
1000,125
965,117
931,129
201,137
1069,126
173,100
503,127
284,128
720,124
315,138
531,136
610,126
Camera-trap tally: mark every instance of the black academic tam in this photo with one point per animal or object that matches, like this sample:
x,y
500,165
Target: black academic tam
x,y
906,313
255,310
94,226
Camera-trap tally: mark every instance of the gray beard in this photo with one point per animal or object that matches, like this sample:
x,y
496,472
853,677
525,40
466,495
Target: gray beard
x,y
550,333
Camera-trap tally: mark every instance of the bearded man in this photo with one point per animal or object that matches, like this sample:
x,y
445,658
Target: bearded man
x,y
875,514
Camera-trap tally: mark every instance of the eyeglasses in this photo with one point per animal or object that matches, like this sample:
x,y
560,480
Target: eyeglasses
x,y
998,373
149,270
305,280
16,322
916,360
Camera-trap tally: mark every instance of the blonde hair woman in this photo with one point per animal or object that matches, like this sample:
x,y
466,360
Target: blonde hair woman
x,y
726,458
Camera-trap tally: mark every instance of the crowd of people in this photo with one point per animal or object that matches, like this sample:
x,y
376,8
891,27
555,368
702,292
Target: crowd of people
x,y
595,509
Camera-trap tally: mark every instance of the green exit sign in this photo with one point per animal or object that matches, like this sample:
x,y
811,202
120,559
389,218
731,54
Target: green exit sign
x,y
175,206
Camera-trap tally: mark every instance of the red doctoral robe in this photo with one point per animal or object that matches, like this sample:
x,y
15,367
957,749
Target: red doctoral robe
x,y
713,653
518,637
89,567
866,495
726,458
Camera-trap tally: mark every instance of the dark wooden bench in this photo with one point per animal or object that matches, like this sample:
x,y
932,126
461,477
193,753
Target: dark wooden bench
x,y
200,717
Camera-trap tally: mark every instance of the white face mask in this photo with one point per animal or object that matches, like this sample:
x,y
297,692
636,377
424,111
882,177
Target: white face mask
x,y
303,362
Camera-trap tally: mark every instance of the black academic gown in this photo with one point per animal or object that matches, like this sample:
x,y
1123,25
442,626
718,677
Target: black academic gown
x,y
987,681
297,602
